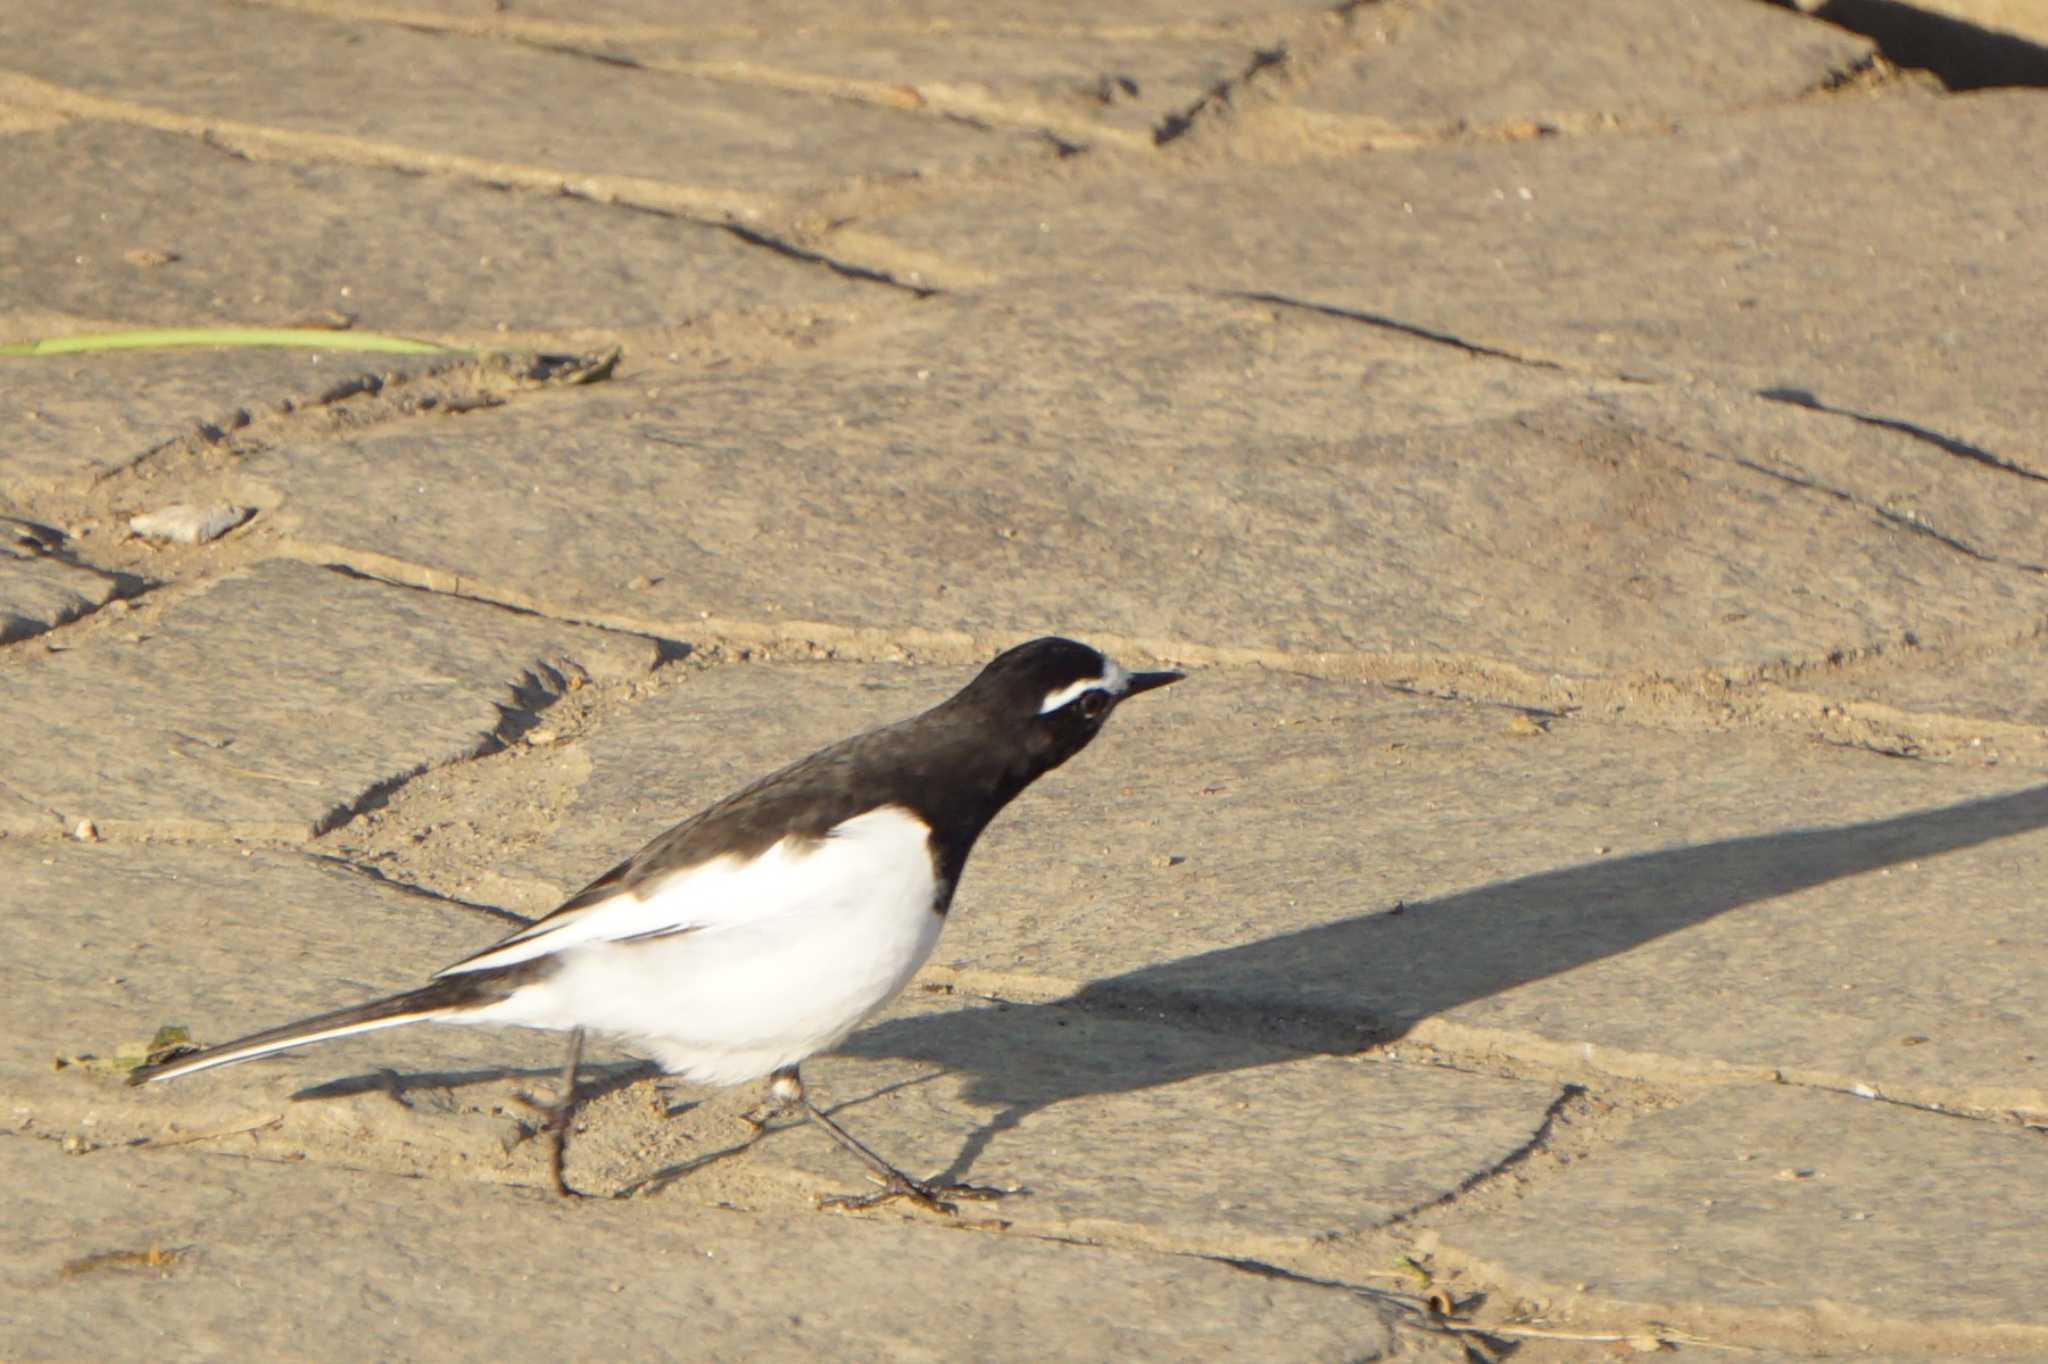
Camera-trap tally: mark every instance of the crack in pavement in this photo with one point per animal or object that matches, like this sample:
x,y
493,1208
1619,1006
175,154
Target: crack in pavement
x,y
1760,695
258,423
1526,1055
207,460
412,888
1907,520
958,100
979,24
1962,449
1434,335
1910,521
745,213
1221,95
713,206
753,236
121,586
1504,1168
961,102
1400,1311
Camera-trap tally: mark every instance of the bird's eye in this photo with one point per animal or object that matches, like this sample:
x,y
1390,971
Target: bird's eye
x,y
1094,703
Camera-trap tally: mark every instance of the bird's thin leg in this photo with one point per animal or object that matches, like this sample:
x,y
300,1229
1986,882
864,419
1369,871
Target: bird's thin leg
x,y
564,1112
895,1184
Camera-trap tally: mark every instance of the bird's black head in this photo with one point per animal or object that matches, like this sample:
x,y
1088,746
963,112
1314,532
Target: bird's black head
x,y
1054,694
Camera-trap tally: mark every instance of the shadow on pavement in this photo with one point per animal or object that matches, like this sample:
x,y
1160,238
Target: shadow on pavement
x,y
1338,987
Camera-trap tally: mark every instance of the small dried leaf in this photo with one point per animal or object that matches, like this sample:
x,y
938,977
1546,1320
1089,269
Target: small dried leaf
x,y
156,1257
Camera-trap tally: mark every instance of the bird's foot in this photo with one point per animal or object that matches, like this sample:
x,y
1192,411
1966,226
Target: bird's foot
x,y
554,1125
931,1195
759,1116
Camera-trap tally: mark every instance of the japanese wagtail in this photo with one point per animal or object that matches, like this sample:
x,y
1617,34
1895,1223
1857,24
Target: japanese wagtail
x,y
764,929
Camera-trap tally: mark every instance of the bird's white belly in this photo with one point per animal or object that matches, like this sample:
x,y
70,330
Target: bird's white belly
x,y
730,1006
832,933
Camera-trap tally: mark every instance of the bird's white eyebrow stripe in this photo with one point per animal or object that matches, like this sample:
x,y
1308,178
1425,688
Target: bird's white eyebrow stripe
x,y
1114,680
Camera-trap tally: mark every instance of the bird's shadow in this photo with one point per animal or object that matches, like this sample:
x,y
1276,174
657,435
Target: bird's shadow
x,y
1338,987
1368,979
595,1079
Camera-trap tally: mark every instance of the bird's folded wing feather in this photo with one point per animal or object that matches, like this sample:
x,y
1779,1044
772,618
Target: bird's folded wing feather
x,y
696,897
794,875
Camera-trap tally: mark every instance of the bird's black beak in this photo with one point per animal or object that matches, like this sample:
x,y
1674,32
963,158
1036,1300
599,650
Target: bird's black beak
x,y
1147,681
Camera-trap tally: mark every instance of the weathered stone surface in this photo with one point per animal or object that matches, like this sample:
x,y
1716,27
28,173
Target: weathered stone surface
x,y
1910,481
1711,1217
280,697
87,414
400,253
115,942
1243,1143
421,90
37,593
1182,469
1605,358
1125,71
1476,63
1292,1148
1973,699
1666,905
323,1264
1703,253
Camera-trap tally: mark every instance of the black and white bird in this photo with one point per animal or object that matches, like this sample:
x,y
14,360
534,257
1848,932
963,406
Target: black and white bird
x,y
764,929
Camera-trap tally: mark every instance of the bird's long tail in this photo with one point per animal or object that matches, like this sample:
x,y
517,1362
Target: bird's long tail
x,y
443,998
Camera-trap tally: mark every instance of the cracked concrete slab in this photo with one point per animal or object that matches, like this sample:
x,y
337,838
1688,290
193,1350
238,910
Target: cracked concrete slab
x,y
1993,701
88,415
976,469
1114,88
336,1263
1113,76
1478,63
1840,917
117,941
38,593
1318,1146
1913,481
421,90
1246,1145
1712,1217
1706,253
275,700
412,254
1567,450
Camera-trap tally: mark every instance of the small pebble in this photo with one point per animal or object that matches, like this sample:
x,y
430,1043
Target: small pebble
x,y
188,525
85,831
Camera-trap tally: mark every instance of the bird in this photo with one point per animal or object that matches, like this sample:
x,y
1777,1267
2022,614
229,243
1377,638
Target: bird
x,y
764,929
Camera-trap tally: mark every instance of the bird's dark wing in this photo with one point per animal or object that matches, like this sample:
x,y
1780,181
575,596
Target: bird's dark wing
x,y
689,867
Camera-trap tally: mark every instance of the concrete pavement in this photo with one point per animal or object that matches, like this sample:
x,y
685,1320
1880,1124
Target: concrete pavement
x,y
1588,456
